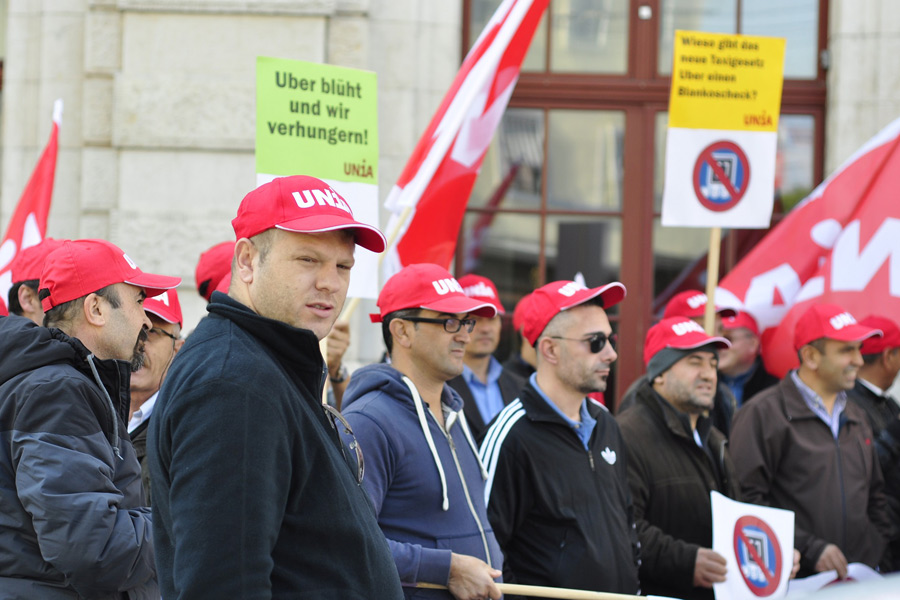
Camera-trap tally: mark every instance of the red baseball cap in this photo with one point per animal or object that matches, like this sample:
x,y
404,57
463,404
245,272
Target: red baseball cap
x,y
829,321
428,286
165,306
521,312
213,265
551,299
301,204
691,304
29,263
81,267
743,320
680,333
481,288
889,339
223,285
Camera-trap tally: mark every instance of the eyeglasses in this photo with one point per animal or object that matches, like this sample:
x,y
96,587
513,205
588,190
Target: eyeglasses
x,y
451,325
335,417
597,341
160,331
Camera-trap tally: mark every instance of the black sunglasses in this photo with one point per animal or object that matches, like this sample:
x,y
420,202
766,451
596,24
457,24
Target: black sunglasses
x,y
451,324
597,341
335,417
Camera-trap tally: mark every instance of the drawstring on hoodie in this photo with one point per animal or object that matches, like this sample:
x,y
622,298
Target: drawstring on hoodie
x,y
468,433
112,408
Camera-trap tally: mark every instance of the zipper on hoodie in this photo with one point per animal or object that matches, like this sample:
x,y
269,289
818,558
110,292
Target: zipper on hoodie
x,y
462,479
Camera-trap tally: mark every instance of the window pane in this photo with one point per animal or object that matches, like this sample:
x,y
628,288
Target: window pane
x,y
517,151
589,36
715,16
536,58
674,249
659,158
590,246
504,248
585,160
797,21
794,162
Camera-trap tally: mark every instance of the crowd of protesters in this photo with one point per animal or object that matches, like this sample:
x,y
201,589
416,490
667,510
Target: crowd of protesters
x,y
136,463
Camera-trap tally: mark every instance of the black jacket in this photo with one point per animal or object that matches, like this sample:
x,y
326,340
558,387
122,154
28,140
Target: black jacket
x,y
253,491
562,514
671,478
760,380
510,386
720,416
73,521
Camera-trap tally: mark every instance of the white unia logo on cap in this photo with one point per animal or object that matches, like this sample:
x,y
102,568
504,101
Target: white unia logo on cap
x,y
570,288
697,301
445,286
130,262
840,321
686,327
310,198
164,298
480,289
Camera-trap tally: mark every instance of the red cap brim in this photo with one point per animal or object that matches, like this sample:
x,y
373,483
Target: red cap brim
x,y
365,235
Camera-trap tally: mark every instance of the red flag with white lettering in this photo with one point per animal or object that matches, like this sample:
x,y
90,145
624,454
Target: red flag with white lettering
x,y
441,172
841,245
29,222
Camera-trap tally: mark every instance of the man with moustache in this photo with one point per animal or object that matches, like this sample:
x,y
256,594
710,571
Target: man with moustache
x,y
485,386
557,490
163,343
254,494
75,523
422,468
800,445
676,458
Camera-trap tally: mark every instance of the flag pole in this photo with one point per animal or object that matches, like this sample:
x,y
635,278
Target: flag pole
x,y
537,591
712,279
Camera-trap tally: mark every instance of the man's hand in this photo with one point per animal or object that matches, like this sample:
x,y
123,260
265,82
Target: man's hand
x,y
832,558
472,578
709,568
796,568
338,342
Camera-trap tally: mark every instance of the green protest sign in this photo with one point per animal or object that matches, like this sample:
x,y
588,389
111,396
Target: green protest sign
x,y
316,119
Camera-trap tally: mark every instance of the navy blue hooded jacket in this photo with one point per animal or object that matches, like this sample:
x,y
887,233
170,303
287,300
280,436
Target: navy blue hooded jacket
x,y
426,512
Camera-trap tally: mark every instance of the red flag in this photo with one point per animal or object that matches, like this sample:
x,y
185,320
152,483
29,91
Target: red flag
x,y
29,222
441,172
841,245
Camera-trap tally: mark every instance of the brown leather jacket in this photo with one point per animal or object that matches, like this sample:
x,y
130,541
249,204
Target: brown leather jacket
x,y
787,457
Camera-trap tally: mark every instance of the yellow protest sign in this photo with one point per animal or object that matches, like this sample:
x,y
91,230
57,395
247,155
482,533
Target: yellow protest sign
x,y
726,82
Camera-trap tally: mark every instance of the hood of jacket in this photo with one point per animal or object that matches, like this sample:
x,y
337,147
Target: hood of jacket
x,y
388,380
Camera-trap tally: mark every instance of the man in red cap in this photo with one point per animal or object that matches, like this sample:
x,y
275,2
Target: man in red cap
x,y
801,446
881,363
676,458
253,492
691,304
75,519
422,468
557,491
741,367
26,272
163,343
214,268
522,360
484,385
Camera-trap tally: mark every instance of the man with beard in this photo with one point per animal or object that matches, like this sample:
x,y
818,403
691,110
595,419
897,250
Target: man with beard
x,y
485,386
254,494
557,490
800,445
676,458
422,468
163,343
75,523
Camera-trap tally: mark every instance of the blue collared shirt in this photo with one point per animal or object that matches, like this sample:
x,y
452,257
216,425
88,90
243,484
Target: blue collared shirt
x,y
487,396
584,429
736,384
815,404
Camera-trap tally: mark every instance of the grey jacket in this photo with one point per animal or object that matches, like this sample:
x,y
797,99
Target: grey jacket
x,y
72,518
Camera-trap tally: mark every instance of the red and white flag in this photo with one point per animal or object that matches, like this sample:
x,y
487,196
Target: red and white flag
x,y
440,174
29,222
840,245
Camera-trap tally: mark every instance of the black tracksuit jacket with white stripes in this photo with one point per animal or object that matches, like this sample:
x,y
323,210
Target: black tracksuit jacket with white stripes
x,y
563,515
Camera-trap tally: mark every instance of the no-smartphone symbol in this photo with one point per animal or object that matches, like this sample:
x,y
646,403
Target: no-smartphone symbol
x,y
758,555
721,176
